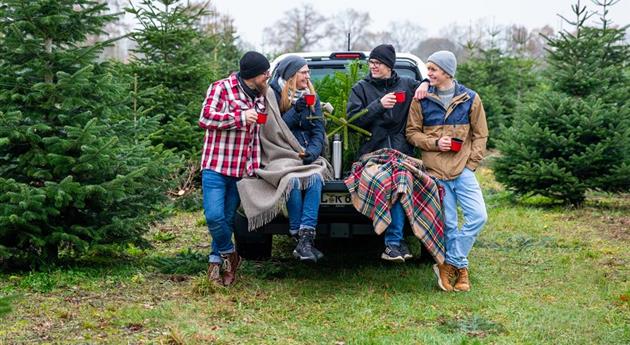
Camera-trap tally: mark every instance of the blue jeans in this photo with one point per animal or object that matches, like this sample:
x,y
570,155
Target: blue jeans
x,y
303,205
394,232
465,191
220,200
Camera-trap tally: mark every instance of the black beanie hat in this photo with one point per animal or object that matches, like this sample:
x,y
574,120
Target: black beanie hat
x,y
253,64
384,53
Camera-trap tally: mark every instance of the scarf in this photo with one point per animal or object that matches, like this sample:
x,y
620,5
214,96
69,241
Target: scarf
x,y
264,196
292,97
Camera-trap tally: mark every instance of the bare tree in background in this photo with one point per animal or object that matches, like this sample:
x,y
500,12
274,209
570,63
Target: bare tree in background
x,y
348,21
515,40
537,43
431,45
213,22
471,35
517,37
372,39
299,29
405,36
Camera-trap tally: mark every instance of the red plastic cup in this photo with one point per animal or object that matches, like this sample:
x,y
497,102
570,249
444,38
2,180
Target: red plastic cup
x,y
456,144
400,96
262,118
310,99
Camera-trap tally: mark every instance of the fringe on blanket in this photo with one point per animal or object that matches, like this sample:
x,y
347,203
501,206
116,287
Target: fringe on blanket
x,y
303,183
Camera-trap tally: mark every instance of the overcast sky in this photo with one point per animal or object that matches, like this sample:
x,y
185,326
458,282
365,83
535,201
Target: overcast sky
x,y
251,16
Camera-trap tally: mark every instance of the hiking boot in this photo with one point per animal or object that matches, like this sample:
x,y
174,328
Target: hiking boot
x,y
444,274
231,262
392,253
319,255
295,236
214,274
462,283
304,249
404,250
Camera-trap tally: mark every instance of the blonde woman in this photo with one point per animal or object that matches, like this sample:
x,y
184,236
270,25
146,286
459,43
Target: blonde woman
x,y
292,87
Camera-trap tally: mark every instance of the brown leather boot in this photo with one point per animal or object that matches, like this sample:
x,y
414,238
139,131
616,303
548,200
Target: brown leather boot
x,y
444,273
462,283
214,274
231,262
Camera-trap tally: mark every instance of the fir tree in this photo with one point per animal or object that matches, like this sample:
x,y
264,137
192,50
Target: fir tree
x,y
70,179
336,90
178,60
575,135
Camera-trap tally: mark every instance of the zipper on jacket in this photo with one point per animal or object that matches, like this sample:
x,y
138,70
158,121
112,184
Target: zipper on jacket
x,y
305,139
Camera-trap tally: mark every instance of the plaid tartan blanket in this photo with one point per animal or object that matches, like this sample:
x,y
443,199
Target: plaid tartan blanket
x,y
381,178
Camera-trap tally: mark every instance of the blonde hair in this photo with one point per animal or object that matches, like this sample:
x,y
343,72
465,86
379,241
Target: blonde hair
x,y
289,86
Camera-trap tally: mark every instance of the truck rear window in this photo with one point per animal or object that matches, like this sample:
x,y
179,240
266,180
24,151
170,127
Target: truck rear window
x,y
319,72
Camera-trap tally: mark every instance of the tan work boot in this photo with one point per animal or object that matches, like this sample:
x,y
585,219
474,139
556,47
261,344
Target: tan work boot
x,y
444,274
214,274
231,262
462,283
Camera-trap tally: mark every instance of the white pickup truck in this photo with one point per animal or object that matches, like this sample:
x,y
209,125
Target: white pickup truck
x,y
337,216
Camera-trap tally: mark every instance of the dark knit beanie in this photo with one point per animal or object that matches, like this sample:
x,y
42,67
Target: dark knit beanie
x,y
253,64
384,53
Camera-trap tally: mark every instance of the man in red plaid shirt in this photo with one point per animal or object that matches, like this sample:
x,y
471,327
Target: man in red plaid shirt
x,y
231,149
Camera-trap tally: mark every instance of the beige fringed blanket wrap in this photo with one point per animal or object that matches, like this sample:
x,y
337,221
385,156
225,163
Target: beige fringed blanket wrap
x,y
263,196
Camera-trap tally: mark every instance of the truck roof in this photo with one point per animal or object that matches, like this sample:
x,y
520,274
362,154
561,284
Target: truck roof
x,y
342,57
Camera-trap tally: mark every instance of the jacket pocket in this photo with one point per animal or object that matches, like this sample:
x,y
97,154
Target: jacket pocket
x,y
460,131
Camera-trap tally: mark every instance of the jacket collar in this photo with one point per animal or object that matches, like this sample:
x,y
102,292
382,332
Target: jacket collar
x,y
459,89
461,95
392,80
235,79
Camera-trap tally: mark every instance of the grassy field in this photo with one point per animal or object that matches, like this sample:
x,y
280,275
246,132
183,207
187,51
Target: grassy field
x,y
541,274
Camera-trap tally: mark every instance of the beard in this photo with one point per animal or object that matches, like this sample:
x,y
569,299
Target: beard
x,y
262,87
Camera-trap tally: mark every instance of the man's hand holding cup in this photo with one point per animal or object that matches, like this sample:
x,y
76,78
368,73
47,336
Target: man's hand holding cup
x,y
251,116
444,144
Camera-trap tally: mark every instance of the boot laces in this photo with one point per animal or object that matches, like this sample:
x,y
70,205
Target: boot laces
x,y
307,238
451,271
227,264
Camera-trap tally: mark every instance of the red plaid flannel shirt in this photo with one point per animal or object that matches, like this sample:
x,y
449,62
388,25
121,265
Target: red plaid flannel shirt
x,y
231,146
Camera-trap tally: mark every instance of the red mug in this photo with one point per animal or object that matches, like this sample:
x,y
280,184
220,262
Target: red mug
x,y
310,100
456,144
262,118
400,96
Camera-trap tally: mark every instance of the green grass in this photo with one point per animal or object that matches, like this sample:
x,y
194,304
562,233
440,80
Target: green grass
x,y
541,274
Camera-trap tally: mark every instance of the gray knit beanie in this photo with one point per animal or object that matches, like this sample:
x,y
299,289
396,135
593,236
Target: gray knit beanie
x,y
289,66
445,60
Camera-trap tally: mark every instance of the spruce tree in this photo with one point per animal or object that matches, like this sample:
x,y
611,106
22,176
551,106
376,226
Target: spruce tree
x,y
501,81
178,60
70,179
575,135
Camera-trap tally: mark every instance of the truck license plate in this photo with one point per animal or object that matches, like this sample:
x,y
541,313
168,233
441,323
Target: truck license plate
x,y
336,199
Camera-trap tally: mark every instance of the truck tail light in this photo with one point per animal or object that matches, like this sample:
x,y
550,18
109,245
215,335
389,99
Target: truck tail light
x,y
347,55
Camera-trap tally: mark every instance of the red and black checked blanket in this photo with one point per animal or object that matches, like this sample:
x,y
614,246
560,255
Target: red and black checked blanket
x,y
381,178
